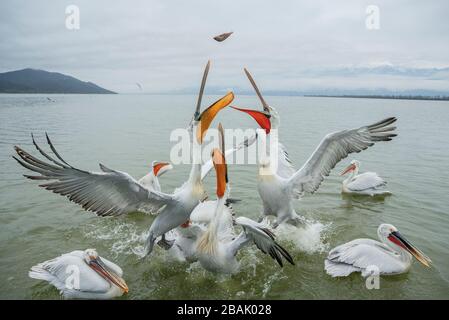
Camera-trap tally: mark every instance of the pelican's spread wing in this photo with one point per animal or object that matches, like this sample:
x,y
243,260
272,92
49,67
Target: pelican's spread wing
x,y
364,255
69,273
335,147
107,193
285,167
366,181
208,165
262,237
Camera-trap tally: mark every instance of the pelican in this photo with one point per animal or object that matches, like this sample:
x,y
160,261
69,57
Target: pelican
x,y
393,255
278,187
187,234
112,193
151,180
367,183
82,275
217,247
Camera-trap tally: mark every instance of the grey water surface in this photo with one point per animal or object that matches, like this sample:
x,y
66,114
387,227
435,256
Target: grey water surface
x,y
128,132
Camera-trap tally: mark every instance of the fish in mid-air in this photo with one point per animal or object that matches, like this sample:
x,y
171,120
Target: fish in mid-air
x,y
222,37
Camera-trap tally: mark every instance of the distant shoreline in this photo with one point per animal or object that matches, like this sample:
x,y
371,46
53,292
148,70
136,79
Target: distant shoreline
x,y
60,93
440,98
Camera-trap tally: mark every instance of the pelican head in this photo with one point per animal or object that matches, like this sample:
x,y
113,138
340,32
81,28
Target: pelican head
x,y
159,168
263,118
353,166
94,261
204,119
390,233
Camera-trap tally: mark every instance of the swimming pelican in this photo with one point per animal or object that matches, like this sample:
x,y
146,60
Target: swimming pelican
x,y
217,248
278,187
151,180
393,255
367,183
112,193
82,275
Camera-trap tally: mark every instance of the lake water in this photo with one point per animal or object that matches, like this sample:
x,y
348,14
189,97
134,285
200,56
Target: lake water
x,y
128,132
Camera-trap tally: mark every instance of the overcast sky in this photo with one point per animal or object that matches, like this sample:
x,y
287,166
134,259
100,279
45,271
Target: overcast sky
x,y
287,45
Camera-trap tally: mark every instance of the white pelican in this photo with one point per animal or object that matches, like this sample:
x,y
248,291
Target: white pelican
x,y
216,249
367,183
279,188
151,180
111,193
393,255
82,275
187,235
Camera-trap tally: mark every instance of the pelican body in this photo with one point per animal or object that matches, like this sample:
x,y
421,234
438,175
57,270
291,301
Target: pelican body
x,y
82,275
217,247
392,255
187,235
367,183
279,186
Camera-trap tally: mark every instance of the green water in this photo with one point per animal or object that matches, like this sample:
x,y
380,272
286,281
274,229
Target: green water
x,y
127,132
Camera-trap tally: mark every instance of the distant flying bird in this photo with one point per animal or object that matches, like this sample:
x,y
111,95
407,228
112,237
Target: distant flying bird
x,y
140,87
223,36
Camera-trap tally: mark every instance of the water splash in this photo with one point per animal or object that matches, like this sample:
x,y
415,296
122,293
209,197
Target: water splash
x,y
309,238
123,236
270,281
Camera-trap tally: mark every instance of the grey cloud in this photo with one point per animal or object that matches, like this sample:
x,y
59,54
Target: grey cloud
x,y
288,45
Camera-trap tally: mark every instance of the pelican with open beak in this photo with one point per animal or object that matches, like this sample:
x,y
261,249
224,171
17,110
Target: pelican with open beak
x,y
393,255
367,183
217,246
82,275
112,193
279,183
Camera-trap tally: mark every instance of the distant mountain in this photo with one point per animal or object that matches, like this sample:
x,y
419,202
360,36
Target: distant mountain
x,y
40,81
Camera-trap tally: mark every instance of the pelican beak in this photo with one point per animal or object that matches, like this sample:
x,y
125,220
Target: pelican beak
x,y
208,115
399,240
261,117
349,168
159,168
221,171
98,265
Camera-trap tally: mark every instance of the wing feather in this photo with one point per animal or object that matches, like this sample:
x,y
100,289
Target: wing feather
x,y
365,181
263,238
361,254
335,147
108,192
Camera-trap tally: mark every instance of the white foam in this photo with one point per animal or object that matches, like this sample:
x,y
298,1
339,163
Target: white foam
x,y
309,238
122,236
270,281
